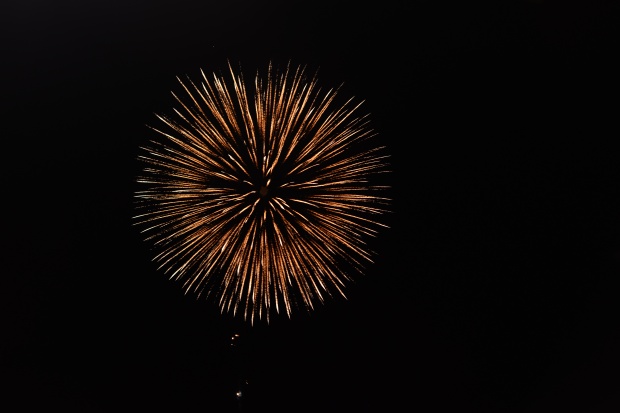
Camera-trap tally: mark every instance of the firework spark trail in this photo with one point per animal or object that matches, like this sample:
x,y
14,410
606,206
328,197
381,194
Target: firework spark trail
x,y
261,194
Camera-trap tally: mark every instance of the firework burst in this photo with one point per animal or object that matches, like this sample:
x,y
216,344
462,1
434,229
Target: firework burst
x,y
262,195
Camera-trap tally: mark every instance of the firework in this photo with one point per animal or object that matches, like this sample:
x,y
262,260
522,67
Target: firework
x,y
264,194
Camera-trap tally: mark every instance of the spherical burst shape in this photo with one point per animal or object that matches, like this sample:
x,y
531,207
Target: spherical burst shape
x,y
262,194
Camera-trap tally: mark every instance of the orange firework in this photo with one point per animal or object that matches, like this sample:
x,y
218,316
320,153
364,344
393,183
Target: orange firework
x,y
262,195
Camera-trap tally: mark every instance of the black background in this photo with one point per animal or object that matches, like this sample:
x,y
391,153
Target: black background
x,y
494,290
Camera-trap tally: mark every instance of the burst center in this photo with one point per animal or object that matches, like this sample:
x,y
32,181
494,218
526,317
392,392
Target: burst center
x,y
263,191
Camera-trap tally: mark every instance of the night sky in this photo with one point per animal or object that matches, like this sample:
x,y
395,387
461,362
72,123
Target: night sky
x,y
494,290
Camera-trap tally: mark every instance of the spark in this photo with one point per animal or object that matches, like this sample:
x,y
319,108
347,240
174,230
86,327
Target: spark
x,y
262,195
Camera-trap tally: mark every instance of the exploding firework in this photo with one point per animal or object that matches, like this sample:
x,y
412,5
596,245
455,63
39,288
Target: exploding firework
x,y
262,195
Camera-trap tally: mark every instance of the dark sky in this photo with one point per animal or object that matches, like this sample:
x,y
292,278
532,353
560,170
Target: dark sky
x,y
494,290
